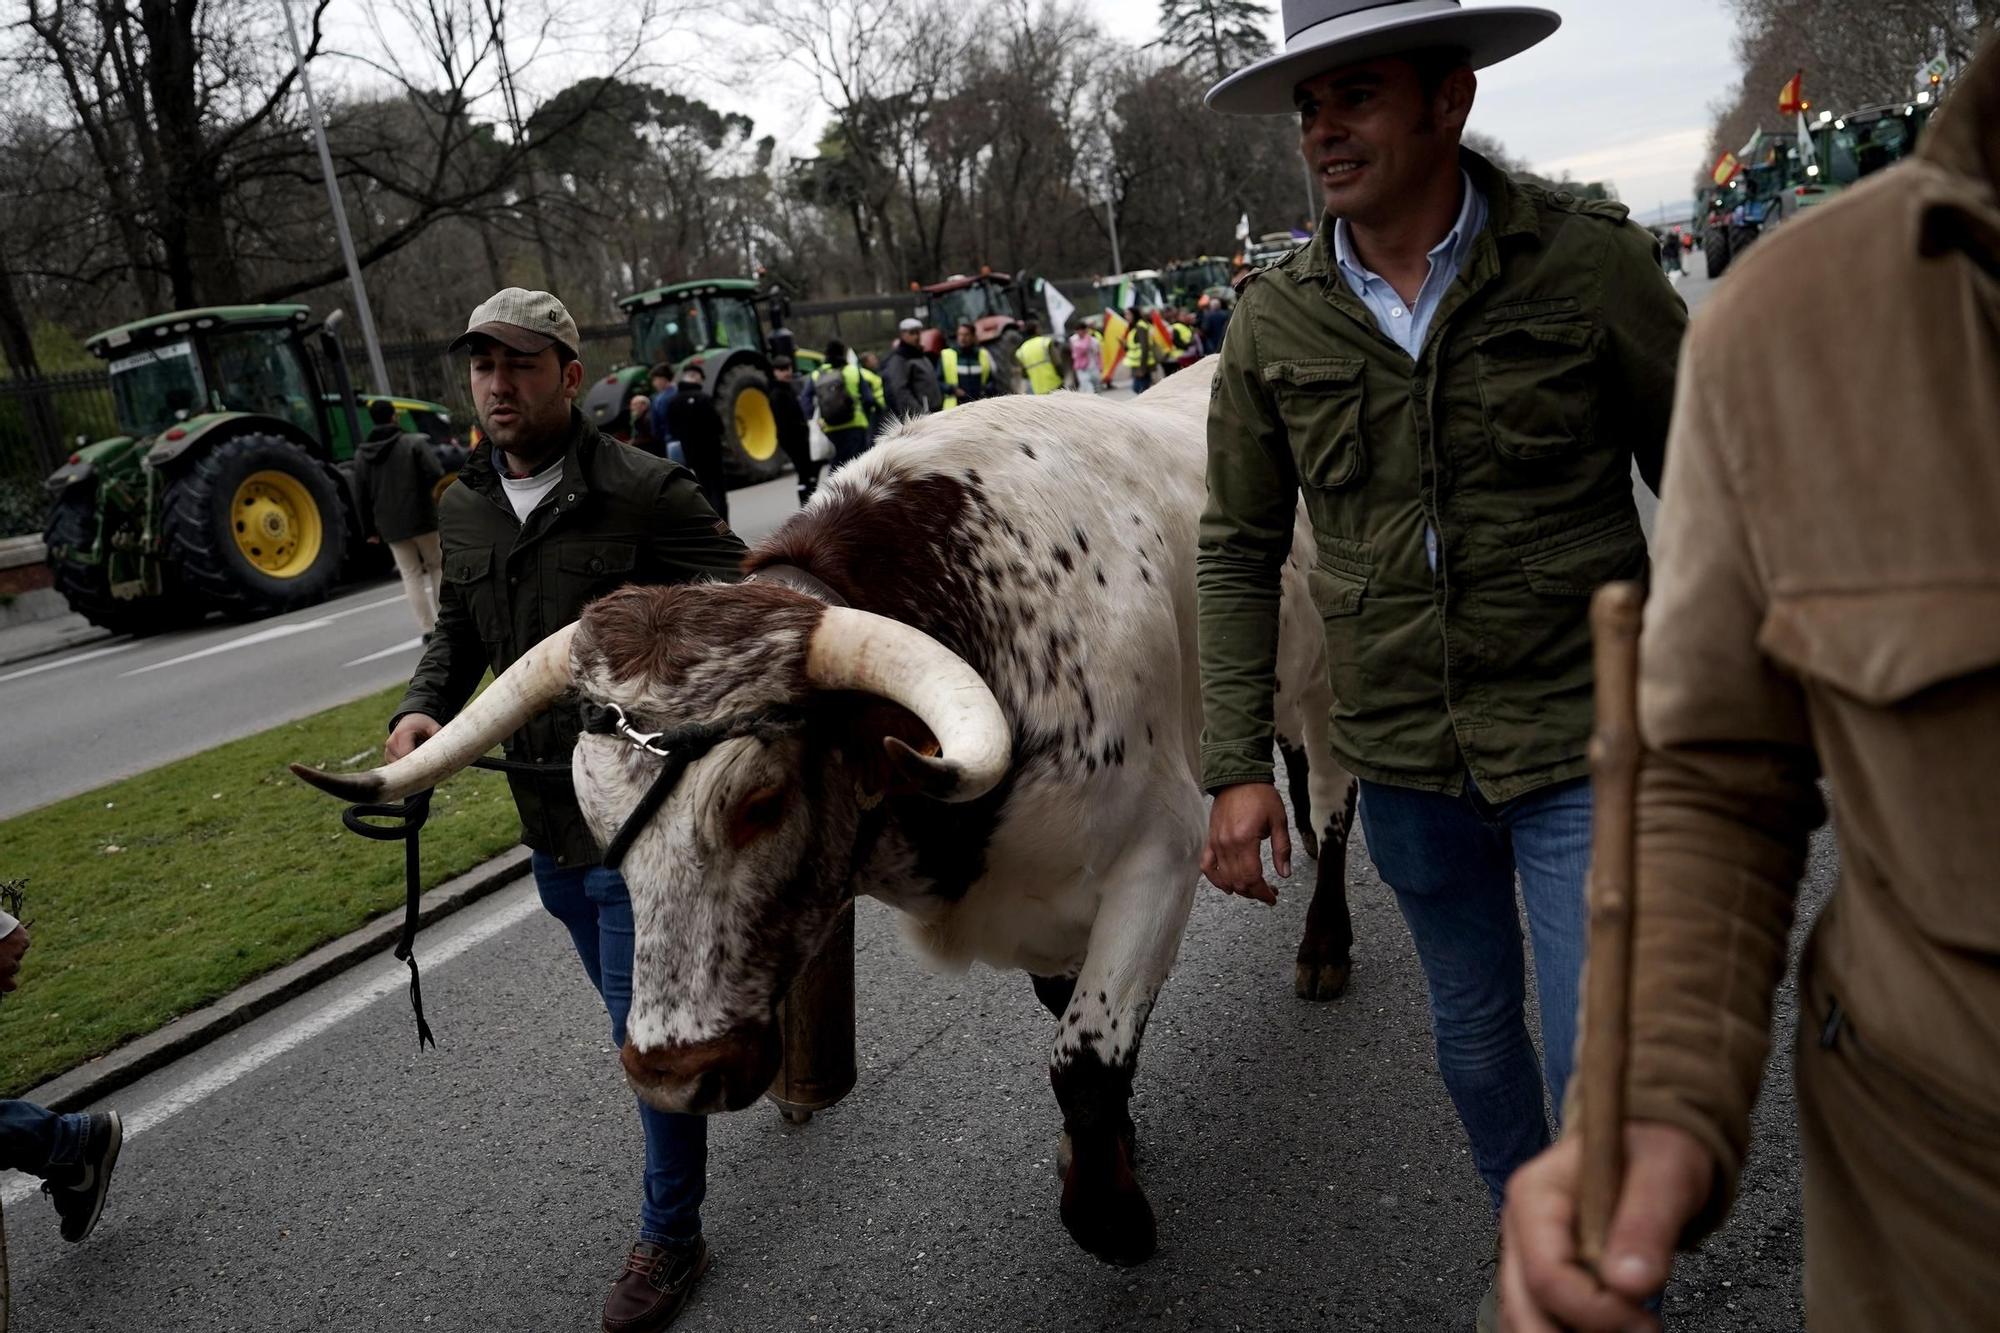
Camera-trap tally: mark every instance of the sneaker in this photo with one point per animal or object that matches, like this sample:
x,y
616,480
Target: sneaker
x,y
656,1282
79,1199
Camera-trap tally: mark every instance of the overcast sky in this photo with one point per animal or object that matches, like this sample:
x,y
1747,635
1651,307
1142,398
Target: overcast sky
x,y
1620,93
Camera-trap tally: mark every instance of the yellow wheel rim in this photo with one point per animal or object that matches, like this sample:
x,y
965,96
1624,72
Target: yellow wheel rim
x,y
756,428
277,524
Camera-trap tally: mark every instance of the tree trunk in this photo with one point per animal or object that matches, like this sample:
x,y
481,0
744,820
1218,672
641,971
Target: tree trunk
x,y
200,265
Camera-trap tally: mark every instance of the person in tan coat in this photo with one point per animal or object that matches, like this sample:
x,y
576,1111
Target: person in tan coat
x,y
1826,603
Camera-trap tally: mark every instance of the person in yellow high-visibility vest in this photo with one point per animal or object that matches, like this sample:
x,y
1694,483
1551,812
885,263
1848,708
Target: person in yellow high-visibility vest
x,y
878,416
1036,356
1142,353
968,370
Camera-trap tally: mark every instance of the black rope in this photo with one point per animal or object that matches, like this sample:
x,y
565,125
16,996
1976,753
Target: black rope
x,y
409,816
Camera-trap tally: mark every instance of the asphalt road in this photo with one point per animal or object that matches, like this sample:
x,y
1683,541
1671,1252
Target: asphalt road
x,y
314,1172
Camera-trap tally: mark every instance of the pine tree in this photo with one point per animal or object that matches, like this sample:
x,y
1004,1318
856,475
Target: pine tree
x,y
1214,38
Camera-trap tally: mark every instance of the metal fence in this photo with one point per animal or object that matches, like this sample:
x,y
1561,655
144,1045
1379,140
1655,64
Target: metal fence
x,y
41,419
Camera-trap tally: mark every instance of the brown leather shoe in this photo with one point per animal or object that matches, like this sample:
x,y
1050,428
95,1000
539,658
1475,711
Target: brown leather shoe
x,y
654,1286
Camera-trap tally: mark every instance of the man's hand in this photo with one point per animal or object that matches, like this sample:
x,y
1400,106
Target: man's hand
x,y
1242,817
1545,1288
413,730
11,948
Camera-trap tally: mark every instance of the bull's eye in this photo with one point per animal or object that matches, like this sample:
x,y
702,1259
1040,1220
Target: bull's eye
x,y
755,815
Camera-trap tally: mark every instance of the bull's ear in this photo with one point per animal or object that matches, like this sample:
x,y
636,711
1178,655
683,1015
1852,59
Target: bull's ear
x,y
890,752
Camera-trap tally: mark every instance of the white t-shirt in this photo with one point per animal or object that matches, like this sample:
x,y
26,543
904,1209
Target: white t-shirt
x,y
524,493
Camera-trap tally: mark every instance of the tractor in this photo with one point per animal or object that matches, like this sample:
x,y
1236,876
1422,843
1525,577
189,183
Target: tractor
x,y
994,304
228,487
716,321
1204,275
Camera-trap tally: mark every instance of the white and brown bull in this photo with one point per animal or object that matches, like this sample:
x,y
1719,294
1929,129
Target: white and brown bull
x,y
998,735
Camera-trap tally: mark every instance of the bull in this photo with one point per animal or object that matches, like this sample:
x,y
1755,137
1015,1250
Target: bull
x,y
963,682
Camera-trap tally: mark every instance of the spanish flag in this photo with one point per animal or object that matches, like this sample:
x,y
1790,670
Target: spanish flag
x,y
1792,97
1115,329
1163,337
1725,171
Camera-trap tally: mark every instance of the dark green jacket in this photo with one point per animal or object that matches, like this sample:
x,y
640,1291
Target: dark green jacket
x,y
617,516
1546,371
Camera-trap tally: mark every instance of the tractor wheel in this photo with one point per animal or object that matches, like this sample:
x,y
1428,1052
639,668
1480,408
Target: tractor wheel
x,y
1739,241
72,531
255,527
743,397
1715,250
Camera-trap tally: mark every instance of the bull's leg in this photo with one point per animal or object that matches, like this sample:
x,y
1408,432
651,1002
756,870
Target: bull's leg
x,y
1132,947
1325,953
1298,788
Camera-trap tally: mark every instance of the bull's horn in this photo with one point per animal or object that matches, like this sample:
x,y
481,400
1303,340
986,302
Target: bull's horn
x,y
523,690
856,650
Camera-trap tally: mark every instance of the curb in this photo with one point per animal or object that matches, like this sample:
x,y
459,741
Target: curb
x,y
190,1032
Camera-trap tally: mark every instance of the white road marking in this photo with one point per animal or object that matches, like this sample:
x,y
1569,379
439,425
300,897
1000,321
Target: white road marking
x,y
247,641
390,651
369,606
393,980
40,667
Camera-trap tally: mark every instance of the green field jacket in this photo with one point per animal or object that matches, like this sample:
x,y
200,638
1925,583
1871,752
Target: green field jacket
x,y
1548,368
618,516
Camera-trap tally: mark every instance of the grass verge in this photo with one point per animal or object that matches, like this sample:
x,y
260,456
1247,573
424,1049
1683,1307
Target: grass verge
x,y
155,895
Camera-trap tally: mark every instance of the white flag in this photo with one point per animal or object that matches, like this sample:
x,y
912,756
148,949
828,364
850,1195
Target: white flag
x,y
1806,154
1243,228
1060,308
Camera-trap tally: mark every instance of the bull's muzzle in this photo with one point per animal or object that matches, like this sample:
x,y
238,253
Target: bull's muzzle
x,y
724,1073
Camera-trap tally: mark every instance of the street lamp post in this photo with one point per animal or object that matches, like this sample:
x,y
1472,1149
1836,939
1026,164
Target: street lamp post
x,y
362,313
1111,220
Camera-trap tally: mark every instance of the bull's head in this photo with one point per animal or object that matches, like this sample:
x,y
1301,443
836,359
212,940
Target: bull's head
x,y
746,866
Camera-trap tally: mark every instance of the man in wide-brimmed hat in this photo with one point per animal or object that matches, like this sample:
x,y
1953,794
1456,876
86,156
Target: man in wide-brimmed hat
x,y
1458,372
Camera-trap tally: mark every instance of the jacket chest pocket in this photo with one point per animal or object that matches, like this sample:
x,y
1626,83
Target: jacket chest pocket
x,y
1320,403
590,569
1538,388
470,570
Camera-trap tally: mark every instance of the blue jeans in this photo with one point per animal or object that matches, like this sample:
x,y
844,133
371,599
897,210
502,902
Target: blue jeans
x,y
593,904
39,1141
849,443
1452,861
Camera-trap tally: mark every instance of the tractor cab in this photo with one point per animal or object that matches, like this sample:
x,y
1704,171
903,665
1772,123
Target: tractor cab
x,y
991,302
676,324
1204,275
1122,291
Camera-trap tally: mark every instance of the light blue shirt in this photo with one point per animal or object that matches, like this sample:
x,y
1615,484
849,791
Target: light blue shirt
x,y
1406,324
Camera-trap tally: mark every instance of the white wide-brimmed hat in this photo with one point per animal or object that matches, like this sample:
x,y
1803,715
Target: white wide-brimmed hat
x,y
1324,34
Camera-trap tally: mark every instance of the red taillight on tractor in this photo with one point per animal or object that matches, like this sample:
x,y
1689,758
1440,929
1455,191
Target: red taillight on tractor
x,y
610,379
176,434
75,458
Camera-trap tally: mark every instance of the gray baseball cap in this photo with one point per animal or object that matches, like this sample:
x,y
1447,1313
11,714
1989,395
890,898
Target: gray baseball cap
x,y
910,326
523,320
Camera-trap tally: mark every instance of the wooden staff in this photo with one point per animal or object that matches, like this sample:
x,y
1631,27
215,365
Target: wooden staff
x,y
1614,788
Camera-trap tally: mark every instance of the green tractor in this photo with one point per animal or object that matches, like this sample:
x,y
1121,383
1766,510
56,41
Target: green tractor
x,y
227,488
717,321
1204,275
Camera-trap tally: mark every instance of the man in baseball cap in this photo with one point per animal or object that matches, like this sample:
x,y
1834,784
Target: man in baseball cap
x,y
547,515
909,376
1457,372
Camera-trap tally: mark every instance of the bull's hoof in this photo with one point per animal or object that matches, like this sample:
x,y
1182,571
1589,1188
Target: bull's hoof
x,y
1103,1207
1319,981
